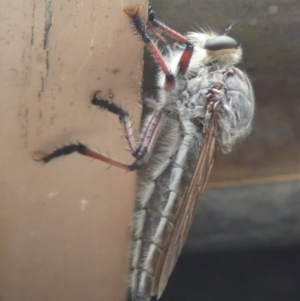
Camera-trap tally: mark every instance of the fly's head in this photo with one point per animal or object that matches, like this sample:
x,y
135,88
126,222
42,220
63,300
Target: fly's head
x,y
221,50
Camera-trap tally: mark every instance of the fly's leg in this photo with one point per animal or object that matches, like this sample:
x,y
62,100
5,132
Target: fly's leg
x,y
189,47
140,28
140,153
149,135
156,33
123,117
83,150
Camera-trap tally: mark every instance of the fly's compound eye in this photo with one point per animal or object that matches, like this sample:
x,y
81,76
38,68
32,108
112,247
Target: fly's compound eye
x,y
220,43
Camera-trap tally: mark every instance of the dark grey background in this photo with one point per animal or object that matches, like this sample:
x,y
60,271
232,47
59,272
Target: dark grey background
x,y
245,240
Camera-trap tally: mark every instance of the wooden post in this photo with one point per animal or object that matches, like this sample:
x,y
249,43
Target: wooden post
x,y
64,227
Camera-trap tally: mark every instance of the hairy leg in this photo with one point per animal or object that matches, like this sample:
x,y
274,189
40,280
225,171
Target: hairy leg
x,y
140,153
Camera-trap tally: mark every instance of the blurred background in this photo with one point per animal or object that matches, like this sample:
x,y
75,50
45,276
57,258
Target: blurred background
x,y
245,240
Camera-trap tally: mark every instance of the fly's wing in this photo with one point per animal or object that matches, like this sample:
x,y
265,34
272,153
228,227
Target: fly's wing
x,y
187,211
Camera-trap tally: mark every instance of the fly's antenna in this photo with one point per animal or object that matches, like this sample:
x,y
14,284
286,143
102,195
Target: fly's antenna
x,y
228,28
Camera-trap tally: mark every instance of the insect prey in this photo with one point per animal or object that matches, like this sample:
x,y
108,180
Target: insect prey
x,y
203,103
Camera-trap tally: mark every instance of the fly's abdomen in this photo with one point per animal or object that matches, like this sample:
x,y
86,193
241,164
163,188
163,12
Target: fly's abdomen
x,y
161,189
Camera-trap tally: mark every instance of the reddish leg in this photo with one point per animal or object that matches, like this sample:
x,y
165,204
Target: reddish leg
x,y
153,31
140,28
154,26
189,48
149,135
83,150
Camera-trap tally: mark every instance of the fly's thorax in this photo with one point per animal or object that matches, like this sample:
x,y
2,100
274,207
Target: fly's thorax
x,y
227,85
236,114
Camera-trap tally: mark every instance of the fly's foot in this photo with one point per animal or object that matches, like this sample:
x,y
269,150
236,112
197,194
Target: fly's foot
x,y
151,14
39,156
132,12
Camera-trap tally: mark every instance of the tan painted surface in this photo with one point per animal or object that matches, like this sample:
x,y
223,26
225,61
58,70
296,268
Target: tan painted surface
x,y
64,227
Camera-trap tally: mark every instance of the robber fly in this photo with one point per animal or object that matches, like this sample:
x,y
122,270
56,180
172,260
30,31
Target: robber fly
x,y
203,104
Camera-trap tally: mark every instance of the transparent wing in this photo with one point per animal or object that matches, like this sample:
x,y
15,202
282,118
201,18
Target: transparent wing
x,y
186,213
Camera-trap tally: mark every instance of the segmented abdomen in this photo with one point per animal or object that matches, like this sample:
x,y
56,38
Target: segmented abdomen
x,y
162,183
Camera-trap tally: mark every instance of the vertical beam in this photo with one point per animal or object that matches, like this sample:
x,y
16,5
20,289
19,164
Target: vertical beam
x,y
64,227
